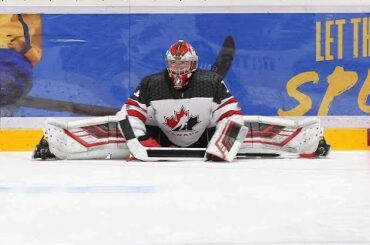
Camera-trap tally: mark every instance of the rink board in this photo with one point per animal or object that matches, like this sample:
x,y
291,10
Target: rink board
x,y
275,48
99,59
339,139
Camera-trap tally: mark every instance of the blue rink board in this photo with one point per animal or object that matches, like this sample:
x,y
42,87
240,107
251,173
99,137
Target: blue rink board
x,y
100,59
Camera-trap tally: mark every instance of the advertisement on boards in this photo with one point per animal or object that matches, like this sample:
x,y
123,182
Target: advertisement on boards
x,y
285,64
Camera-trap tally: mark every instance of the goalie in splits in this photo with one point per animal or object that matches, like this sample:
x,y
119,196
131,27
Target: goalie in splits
x,y
180,113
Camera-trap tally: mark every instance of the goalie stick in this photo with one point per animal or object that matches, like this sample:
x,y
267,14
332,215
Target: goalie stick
x,y
143,153
162,153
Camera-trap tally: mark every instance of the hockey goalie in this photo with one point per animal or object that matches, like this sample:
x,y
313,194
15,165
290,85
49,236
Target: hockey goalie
x,y
180,113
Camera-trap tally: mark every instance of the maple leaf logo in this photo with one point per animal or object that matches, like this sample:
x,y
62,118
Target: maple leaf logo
x,y
173,121
181,121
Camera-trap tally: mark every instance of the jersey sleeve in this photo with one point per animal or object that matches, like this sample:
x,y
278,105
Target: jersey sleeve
x,y
224,106
136,109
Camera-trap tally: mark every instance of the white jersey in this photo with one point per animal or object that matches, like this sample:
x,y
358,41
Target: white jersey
x,y
184,115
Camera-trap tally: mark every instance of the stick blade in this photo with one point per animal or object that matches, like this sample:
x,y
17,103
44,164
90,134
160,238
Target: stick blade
x,y
225,57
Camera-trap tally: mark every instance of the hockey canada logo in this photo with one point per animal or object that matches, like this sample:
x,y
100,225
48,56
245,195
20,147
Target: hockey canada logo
x,y
181,121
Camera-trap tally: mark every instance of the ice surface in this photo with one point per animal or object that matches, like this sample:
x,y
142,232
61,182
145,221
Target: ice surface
x,y
252,201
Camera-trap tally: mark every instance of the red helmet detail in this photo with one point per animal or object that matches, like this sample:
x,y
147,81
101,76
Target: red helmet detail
x,y
181,61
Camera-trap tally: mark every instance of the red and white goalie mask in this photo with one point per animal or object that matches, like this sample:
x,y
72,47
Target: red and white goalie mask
x,y
181,61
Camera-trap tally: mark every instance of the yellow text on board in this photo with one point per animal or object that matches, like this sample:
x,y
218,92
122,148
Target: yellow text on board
x,y
330,47
325,41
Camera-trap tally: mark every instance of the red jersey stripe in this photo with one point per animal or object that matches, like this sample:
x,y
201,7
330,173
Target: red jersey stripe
x,y
134,103
137,114
230,101
228,114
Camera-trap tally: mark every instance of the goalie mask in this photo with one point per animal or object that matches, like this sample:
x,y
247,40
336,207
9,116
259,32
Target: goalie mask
x,y
181,62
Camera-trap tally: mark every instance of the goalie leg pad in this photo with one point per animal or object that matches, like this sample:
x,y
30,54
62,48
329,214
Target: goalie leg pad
x,y
98,138
280,135
227,140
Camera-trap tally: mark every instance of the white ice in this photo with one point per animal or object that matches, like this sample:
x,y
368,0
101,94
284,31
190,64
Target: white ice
x,y
252,201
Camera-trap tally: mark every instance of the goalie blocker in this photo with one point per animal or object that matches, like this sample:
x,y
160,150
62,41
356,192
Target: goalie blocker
x,y
101,138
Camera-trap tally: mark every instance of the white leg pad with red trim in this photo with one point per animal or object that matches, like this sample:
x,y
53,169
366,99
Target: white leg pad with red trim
x,y
227,139
95,138
281,135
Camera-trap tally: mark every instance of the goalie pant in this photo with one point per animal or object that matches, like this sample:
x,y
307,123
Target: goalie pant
x,y
100,138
